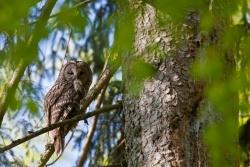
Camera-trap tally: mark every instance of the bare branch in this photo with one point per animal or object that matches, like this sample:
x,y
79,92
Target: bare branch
x,y
104,79
62,123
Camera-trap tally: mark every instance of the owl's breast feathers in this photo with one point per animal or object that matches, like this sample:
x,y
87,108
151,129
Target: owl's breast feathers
x,y
60,101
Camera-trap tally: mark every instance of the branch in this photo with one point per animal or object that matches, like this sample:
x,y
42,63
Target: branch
x,y
87,142
10,90
50,150
46,156
11,87
90,134
104,79
59,124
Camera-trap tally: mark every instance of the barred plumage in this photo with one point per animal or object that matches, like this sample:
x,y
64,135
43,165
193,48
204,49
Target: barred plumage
x,y
63,99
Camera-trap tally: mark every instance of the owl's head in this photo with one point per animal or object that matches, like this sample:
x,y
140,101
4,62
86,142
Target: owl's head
x,y
77,72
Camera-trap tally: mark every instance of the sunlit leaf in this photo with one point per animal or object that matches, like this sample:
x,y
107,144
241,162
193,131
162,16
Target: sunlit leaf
x,y
124,34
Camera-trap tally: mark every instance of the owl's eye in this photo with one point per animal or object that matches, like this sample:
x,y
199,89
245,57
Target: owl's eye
x,y
70,73
81,72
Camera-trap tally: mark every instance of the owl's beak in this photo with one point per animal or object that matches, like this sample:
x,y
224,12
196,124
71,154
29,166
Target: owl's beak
x,y
78,85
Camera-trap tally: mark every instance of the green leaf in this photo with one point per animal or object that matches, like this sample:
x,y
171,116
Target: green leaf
x,y
208,65
142,70
138,70
32,106
124,34
15,104
13,12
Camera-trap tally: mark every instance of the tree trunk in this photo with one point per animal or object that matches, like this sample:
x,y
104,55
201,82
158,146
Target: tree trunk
x,y
162,127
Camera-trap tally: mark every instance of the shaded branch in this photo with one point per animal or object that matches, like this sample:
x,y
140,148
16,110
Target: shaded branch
x,y
90,134
104,79
11,87
87,143
59,124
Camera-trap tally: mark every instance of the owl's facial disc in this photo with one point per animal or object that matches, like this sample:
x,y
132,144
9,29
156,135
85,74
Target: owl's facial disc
x,y
71,73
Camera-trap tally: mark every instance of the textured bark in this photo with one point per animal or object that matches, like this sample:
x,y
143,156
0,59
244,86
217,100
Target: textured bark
x,y
161,123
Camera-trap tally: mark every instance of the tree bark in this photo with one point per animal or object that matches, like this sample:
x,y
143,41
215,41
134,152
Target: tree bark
x,y
162,127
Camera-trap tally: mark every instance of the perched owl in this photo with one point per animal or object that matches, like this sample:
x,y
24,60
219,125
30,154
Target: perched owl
x,y
63,99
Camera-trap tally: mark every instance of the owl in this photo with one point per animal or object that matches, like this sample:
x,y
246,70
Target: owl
x,y
63,100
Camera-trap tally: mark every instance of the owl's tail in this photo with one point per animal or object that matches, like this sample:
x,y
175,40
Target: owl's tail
x,y
59,143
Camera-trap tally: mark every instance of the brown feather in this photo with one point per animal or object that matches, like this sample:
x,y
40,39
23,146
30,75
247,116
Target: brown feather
x,y
59,143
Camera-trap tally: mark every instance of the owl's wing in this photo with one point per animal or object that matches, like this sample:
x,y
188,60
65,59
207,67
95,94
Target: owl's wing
x,y
50,100
64,105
